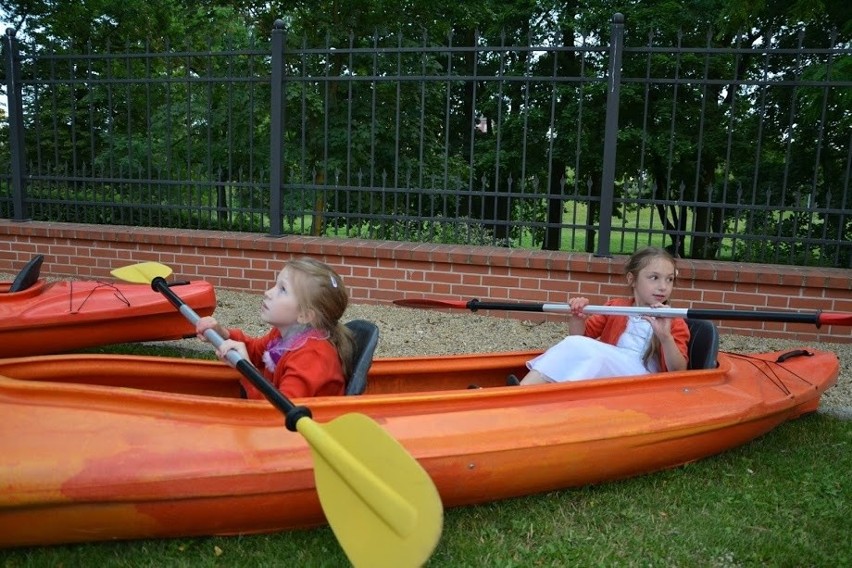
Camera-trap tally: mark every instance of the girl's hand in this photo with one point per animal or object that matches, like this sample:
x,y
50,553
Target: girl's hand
x,y
209,322
577,319
577,304
228,345
662,326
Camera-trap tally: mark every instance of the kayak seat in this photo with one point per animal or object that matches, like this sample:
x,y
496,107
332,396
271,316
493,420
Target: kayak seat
x,y
28,275
703,346
366,339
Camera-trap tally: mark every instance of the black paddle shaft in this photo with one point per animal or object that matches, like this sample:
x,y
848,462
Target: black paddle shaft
x,y
291,412
744,315
476,304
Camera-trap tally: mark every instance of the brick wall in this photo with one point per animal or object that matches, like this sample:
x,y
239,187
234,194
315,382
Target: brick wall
x,y
377,272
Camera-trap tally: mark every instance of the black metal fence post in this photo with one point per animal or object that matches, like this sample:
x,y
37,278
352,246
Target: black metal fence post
x,y
16,125
616,47
276,115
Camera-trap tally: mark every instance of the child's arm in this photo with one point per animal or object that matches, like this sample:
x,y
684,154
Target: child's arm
x,y
577,319
229,344
209,322
673,335
675,360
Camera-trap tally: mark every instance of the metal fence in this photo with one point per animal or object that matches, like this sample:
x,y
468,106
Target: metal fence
x,y
595,143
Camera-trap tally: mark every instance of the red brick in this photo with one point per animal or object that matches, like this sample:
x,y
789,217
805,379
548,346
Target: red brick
x,y
378,271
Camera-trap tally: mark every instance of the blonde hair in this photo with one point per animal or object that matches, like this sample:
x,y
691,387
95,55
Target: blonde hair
x,y
637,261
321,290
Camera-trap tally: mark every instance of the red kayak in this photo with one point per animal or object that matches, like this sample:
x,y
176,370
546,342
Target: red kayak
x,y
39,317
106,447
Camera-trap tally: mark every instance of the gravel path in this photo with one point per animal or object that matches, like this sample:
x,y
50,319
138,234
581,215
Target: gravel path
x,y
405,332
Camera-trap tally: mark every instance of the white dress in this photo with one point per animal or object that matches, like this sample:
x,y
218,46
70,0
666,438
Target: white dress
x,y
578,357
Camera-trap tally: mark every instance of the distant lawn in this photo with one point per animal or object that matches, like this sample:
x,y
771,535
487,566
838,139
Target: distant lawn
x,y
630,231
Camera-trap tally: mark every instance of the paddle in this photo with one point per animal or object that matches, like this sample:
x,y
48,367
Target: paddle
x,y
818,317
381,504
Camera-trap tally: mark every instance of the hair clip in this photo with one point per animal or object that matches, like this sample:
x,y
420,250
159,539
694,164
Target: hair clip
x,y
333,281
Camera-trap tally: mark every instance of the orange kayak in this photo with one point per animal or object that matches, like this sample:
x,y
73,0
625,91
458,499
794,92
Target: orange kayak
x,y
102,447
53,317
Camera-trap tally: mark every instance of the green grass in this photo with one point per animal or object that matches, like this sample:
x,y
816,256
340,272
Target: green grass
x,y
781,500
627,234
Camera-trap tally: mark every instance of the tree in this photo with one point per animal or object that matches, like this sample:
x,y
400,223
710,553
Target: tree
x,y
512,127
699,137
133,112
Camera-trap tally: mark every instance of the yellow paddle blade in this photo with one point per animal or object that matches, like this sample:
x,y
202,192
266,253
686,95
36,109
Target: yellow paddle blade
x,y
142,273
381,504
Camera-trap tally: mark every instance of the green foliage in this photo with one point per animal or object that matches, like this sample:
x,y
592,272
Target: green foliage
x,y
178,92
790,250
457,231
143,206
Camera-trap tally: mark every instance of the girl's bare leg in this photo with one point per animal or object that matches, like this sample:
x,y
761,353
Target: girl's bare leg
x,y
534,378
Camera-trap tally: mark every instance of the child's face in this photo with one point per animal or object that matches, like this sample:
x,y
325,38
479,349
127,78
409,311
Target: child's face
x,y
654,283
281,307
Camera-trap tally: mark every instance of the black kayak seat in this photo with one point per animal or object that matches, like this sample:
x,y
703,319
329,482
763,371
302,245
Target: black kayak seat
x,y
366,336
28,275
703,346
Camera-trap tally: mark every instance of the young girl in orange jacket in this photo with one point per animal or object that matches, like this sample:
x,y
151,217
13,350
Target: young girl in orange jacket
x,y
610,346
308,351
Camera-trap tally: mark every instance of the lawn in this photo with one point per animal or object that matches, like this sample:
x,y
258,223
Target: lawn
x,y
633,228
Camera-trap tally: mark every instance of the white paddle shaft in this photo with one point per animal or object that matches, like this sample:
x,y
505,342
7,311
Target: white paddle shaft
x,y
619,311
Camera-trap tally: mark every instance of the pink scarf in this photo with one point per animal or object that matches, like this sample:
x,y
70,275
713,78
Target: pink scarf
x,y
277,347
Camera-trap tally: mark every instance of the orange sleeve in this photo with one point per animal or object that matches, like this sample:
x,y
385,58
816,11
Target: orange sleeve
x,y
255,346
680,333
311,370
608,328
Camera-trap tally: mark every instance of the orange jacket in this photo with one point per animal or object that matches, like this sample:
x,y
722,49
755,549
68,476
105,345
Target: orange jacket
x,y
608,329
313,369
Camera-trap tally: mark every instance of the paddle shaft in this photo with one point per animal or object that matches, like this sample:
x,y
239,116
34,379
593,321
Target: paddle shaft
x,y
292,412
815,318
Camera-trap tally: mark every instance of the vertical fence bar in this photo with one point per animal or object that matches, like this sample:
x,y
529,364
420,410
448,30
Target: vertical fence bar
x,y
275,128
16,125
616,46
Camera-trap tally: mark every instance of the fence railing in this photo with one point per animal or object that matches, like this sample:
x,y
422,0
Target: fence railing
x,y
595,143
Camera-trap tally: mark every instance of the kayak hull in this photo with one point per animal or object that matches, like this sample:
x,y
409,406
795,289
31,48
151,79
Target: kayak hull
x,y
100,447
55,317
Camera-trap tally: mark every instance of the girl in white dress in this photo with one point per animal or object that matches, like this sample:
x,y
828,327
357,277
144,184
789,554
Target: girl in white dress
x,y
611,346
